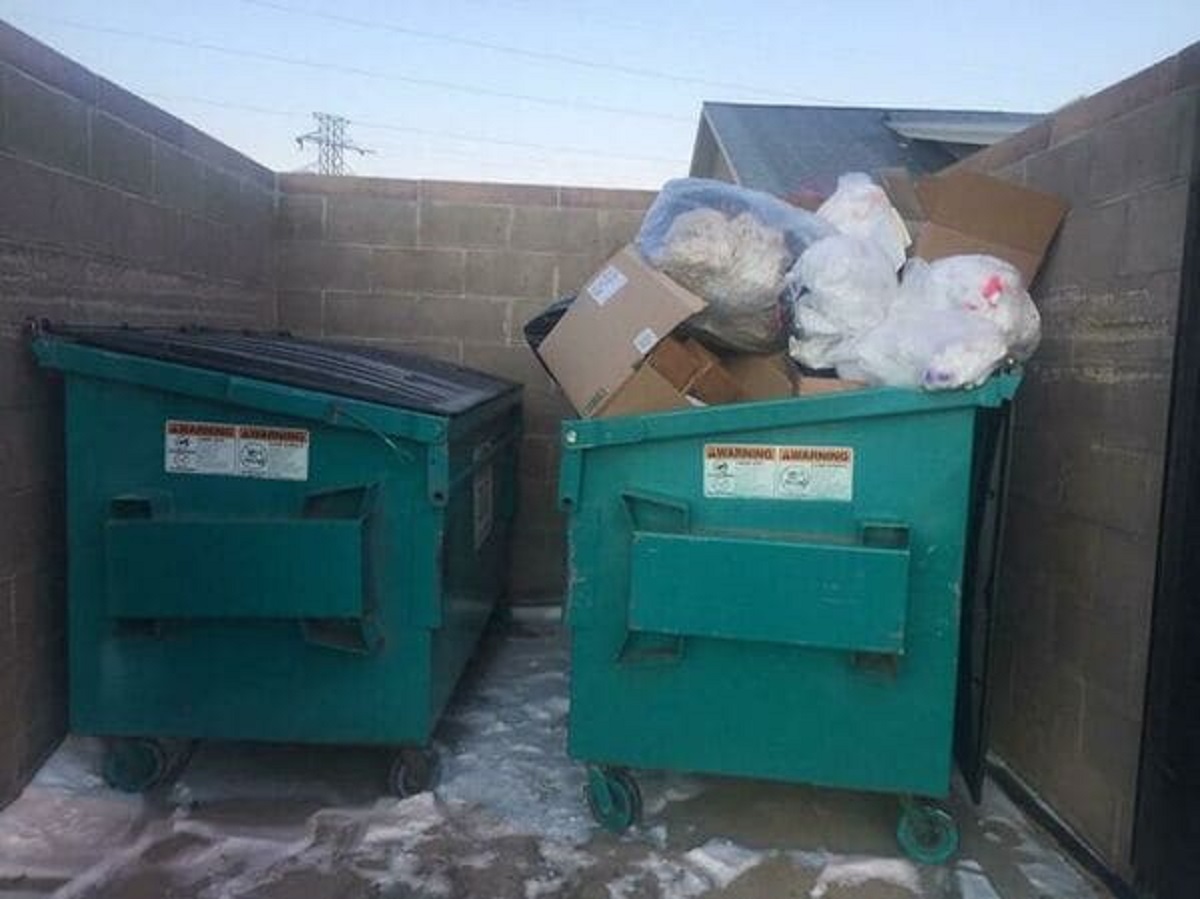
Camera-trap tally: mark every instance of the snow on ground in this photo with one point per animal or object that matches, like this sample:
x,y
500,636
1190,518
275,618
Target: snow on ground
x,y
506,820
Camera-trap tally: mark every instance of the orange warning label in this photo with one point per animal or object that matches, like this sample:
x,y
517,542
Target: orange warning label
x,y
246,451
760,471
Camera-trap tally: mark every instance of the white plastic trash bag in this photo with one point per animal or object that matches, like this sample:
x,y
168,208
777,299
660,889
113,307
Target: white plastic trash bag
x,y
840,288
955,322
984,286
861,208
732,246
931,349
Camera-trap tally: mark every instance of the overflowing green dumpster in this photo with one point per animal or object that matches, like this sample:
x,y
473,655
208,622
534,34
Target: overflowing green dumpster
x,y
275,539
773,590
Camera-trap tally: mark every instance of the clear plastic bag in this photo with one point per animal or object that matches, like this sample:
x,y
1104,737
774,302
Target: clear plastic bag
x,y
933,349
732,246
955,321
861,208
981,285
841,287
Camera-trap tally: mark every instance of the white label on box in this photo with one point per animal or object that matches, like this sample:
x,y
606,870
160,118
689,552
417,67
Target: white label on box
x,y
607,284
756,471
645,340
485,503
246,451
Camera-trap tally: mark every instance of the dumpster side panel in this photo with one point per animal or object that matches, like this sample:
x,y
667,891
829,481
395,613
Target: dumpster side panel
x,y
703,686
473,554
254,668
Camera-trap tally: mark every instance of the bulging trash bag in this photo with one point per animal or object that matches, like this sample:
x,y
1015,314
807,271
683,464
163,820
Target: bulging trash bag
x,y
955,321
861,208
841,287
984,286
732,246
932,349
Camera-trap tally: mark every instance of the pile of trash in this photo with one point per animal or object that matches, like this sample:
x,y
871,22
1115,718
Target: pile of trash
x,y
729,294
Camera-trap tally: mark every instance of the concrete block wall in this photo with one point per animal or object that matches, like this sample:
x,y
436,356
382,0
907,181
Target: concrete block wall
x,y
111,211
455,269
1081,540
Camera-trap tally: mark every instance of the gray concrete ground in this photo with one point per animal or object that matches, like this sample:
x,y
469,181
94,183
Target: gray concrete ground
x,y
505,820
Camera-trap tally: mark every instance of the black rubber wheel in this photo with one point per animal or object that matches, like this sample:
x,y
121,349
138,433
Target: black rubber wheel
x,y
135,764
927,833
411,772
614,798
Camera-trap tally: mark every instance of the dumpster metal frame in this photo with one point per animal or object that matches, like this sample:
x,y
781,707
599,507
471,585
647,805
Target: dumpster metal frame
x,y
812,641
337,609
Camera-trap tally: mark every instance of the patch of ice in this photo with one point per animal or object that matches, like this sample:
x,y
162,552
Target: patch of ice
x,y
972,885
408,870
679,881
535,889
804,858
1052,879
480,861
408,821
661,790
509,756
656,835
74,766
856,872
723,861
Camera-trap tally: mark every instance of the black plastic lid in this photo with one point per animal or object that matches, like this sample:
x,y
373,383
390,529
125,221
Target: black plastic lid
x,y
373,374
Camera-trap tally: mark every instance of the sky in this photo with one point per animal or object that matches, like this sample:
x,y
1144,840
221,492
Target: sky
x,y
590,92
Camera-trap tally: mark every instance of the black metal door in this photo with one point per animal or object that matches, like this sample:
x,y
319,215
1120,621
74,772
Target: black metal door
x,y
989,483
1167,828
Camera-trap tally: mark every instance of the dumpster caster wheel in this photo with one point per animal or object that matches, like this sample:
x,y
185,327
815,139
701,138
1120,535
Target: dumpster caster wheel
x,y
134,765
411,772
613,798
927,833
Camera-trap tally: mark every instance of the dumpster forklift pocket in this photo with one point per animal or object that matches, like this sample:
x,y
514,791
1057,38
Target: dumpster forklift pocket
x,y
314,568
825,595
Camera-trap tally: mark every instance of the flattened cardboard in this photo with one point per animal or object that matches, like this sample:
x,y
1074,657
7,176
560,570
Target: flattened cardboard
x,y
622,312
694,370
762,376
674,360
645,391
968,212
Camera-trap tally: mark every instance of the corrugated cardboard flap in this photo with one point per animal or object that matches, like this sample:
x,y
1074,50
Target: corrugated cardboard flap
x,y
991,210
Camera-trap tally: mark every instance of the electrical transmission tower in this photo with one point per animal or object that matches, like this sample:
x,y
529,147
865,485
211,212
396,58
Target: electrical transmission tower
x,y
330,139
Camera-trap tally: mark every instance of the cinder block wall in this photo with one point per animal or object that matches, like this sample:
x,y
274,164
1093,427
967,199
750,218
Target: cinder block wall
x,y
1081,539
110,211
455,269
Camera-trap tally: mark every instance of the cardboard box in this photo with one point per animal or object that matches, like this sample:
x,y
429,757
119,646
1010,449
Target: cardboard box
x,y
694,371
645,391
968,212
763,376
620,315
810,386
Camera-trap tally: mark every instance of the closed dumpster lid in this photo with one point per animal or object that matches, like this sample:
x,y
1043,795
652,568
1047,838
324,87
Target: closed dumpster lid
x,y
372,374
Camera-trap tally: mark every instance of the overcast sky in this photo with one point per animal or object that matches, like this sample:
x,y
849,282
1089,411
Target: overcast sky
x,y
603,93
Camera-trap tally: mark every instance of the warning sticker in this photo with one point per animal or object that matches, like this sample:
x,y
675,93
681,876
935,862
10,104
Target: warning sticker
x,y
757,471
484,494
246,451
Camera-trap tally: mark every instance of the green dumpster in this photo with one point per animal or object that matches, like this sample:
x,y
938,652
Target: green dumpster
x,y
275,539
773,590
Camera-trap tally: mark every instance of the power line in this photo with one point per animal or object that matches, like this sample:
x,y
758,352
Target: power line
x,y
360,72
426,132
538,55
